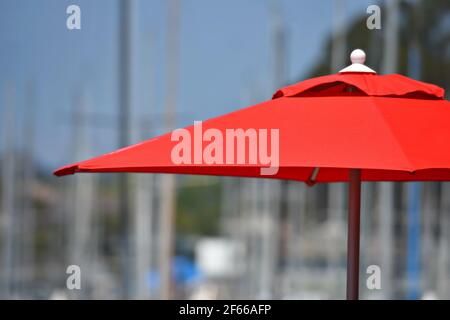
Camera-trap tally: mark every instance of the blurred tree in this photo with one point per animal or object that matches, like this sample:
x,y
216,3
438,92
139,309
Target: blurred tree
x,y
198,207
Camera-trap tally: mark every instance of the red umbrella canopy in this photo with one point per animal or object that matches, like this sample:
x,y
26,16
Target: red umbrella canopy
x,y
391,127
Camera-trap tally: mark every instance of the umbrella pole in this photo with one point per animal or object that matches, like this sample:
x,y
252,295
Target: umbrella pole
x,y
353,234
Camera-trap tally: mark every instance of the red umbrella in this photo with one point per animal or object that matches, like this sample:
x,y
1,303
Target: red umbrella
x,y
349,127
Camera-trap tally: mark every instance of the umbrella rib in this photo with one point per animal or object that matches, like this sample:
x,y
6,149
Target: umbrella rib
x,y
312,178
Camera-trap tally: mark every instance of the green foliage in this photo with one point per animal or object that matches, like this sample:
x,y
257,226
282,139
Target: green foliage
x,y
198,206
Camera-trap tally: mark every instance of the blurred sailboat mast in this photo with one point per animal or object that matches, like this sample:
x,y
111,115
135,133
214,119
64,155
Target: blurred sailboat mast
x,y
336,192
391,35
443,262
279,214
413,250
125,46
8,194
144,209
81,248
386,189
29,222
430,191
168,197
143,233
273,194
339,39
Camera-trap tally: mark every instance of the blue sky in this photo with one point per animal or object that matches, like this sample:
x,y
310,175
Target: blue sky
x,y
225,61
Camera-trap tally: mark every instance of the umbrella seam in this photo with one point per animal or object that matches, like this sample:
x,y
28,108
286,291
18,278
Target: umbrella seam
x,y
410,164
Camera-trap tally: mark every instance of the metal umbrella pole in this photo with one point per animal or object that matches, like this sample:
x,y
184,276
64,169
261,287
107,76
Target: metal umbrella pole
x,y
353,235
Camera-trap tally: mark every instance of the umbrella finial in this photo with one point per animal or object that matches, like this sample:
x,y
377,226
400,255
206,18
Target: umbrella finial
x,y
358,57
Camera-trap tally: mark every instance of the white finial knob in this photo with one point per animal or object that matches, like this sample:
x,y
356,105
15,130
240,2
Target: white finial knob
x,y
358,56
